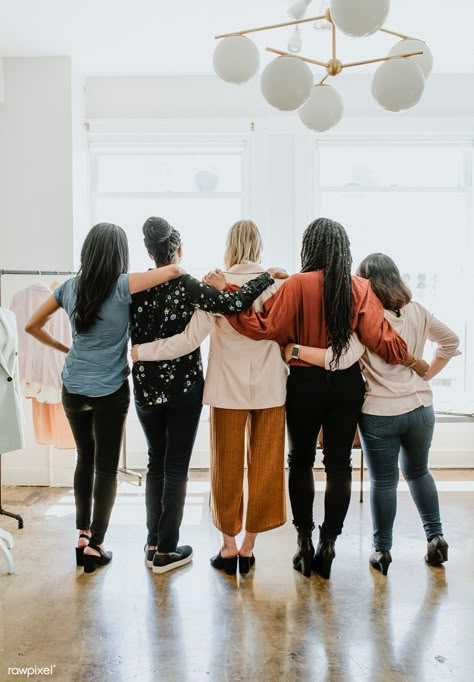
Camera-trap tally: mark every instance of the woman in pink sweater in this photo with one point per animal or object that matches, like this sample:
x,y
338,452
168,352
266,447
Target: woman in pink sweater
x,y
397,418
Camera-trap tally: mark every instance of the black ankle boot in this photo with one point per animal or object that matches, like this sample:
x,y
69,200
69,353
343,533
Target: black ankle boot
x,y
304,552
325,553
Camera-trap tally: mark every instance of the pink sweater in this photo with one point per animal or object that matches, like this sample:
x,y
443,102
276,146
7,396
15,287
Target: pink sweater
x,y
394,389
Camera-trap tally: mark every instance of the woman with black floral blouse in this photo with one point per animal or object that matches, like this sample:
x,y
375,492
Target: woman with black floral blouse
x,y
168,395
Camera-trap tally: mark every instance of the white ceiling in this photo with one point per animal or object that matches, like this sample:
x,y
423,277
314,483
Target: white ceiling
x,y
167,37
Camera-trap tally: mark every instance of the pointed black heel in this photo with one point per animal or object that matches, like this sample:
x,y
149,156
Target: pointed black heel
x,y
436,551
246,563
381,561
80,550
324,555
303,558
91,561
227,564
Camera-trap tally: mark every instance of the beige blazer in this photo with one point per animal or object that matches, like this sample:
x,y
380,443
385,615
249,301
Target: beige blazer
x,y
242,374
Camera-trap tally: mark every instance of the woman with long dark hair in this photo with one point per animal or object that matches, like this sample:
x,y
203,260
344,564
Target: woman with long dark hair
x,y
326,304
397,419
168,394
95,385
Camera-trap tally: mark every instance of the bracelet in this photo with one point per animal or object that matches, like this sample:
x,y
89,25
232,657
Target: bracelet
x,y
412,363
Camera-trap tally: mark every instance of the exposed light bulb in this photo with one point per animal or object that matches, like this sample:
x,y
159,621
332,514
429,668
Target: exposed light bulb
x,y
295,43
298,9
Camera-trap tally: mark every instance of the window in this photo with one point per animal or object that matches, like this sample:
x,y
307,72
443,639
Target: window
x,y
412,202
196,184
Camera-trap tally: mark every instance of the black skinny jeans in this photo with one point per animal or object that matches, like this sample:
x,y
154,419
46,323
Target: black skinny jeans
x,y
333,400
170,429
97,425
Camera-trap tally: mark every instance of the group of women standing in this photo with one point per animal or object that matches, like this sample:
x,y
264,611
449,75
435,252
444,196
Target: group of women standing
x,y
328,323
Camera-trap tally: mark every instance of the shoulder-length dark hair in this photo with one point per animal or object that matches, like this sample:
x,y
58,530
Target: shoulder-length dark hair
x,y
386,281
104,256
326,247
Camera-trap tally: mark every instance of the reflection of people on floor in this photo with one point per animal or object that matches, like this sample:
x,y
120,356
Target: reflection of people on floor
x,y
413,632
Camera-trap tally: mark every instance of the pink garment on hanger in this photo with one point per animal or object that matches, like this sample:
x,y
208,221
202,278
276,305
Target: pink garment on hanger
x,y
51,426
40,366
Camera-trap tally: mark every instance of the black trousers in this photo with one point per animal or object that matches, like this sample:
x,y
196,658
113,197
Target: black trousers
x,y
317,398
97,425
170,429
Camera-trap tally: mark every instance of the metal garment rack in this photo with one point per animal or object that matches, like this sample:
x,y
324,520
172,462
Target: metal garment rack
x,y
123,469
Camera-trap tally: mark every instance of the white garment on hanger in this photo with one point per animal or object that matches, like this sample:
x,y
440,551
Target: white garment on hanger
x,y
11,410
40,366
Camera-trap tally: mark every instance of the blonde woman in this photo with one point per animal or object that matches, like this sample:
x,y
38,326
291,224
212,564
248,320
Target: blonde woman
x,y
246,389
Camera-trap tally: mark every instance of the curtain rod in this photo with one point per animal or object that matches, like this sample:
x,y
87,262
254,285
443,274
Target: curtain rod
x,y
37,272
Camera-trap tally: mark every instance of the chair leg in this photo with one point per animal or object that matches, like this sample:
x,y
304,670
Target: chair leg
x,y
361,495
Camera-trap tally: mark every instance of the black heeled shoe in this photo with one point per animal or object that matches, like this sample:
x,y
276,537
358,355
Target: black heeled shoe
x,y
246,563
324,555
436,551
304,553
381,561
91,561
80,550
227,564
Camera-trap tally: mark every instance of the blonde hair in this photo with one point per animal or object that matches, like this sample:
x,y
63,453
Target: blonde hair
x,y
244,243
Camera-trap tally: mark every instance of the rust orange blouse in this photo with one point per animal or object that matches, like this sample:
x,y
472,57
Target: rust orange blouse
x,y
296,314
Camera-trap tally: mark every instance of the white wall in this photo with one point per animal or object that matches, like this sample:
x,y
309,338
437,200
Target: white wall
x,y
36,204
209,96
35,164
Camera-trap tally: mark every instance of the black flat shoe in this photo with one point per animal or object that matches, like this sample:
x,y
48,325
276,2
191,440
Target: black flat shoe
x,y
80,550
91,561
149,554
246,563
436,551
228,564
381,561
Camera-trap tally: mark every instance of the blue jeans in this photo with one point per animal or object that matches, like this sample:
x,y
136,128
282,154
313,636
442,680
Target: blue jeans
x,y
170,429
384,439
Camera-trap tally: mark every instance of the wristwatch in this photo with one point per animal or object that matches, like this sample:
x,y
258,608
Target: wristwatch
x,y
295,352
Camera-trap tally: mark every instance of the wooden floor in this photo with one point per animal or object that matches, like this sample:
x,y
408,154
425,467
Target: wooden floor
x,y
123,623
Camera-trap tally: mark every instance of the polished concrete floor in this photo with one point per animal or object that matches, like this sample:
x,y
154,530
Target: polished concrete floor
x,y
123,623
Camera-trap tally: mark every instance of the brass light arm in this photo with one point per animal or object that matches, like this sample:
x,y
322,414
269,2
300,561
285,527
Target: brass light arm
x,y
321,82
290,54
398,35
333,40
267,28
381,59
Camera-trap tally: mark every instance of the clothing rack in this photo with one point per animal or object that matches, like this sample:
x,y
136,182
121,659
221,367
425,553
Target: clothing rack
x,y
123,469
22,272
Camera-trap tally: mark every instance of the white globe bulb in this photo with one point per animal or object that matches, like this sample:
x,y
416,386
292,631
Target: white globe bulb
x,y
236,59
323,109
424,61
398,84
286,83
359,17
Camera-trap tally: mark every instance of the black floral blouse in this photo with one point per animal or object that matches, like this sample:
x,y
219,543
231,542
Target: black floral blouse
x,y
164,311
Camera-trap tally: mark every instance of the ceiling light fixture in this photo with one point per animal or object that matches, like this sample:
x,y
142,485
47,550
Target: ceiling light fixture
x,y
287,81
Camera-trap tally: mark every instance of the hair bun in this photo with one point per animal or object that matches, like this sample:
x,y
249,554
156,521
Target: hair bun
x,y
156,230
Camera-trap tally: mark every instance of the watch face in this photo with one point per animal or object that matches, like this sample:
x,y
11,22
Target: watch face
x,y
295,353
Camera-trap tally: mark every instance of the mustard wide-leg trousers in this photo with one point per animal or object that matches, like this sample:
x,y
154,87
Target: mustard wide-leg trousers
x,y
263,431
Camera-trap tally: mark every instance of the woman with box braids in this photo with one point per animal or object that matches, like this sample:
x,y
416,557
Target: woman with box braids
x,y
326,247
